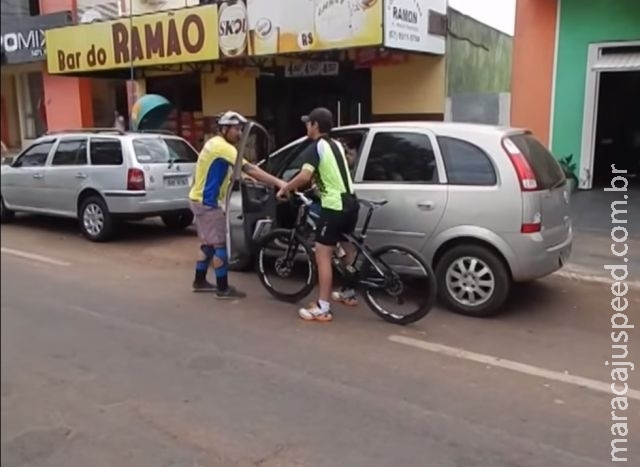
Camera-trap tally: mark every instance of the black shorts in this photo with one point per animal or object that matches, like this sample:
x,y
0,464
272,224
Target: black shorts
x,y
332,225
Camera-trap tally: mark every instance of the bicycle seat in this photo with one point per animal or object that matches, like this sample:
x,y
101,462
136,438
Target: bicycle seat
x,y
373,204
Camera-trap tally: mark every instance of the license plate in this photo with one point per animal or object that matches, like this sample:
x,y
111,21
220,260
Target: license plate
x,y
176,181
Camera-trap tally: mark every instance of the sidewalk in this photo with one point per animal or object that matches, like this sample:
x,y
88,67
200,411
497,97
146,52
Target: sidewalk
x,y
592,251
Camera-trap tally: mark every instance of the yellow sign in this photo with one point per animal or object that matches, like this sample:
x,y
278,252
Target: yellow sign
x,y
187,35
288,26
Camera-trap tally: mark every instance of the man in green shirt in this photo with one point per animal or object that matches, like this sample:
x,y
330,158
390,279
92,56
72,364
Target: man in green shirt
x,y
325,161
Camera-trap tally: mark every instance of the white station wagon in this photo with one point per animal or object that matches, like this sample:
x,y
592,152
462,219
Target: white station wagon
x,y
100,177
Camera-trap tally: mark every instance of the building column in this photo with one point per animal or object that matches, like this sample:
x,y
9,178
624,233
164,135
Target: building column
x,y
534,50
68,100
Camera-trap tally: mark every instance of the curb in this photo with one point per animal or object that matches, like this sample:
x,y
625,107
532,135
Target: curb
x,y
588,275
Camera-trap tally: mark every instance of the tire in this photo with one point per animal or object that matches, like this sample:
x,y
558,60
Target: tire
x,y
462,257
6,215
96,223
261,265
178,220
427,283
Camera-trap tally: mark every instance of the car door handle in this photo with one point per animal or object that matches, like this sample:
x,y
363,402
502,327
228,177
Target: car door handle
x,y
426,205
81,175
38,176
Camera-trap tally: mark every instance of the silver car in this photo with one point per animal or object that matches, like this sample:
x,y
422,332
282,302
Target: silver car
x,y
487,206
101,176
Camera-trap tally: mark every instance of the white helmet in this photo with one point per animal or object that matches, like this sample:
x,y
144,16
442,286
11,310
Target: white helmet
x,y
231,118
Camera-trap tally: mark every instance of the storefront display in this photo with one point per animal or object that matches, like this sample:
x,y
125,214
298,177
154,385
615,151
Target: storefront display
x,y
316,25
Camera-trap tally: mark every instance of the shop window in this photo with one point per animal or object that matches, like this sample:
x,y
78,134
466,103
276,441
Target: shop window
x,y
71,152
401,157
35,156
466,164
32,106
105,151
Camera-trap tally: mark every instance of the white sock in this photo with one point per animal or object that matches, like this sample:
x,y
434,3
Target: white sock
x,y
324,306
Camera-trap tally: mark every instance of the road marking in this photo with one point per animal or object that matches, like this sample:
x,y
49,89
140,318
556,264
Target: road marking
x,y
455,352
34,257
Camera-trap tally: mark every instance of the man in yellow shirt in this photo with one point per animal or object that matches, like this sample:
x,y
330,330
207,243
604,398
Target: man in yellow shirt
x,y
212,180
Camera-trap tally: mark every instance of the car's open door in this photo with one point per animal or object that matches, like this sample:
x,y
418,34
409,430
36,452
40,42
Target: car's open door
x,y
258,200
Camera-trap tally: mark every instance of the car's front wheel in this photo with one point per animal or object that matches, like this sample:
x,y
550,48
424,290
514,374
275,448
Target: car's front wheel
x,y
96,223
473,281
6,215
178,220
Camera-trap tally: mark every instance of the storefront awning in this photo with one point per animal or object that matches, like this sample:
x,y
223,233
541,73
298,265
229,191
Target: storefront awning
x,y
618,62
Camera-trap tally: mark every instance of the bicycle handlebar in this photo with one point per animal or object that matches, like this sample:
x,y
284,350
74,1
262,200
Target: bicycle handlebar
x,y
303,198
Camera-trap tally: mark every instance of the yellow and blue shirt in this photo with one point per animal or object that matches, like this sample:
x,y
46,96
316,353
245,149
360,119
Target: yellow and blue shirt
x,y
213,172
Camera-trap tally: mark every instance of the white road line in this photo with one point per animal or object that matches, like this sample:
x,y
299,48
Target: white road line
x,y
34,257
511,365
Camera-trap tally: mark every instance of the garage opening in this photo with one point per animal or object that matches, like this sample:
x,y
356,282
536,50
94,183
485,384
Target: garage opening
x,y
618,123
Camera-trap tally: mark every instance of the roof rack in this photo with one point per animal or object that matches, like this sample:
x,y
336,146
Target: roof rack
x,y
86,130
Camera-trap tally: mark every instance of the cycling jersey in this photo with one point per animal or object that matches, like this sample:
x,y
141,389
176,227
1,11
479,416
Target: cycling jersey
x,y
320,160
213,172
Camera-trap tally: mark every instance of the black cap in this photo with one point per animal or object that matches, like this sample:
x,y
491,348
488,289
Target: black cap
x,y
322,116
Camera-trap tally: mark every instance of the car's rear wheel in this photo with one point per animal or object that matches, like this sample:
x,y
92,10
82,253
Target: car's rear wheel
x,y
96,223
473,281
178,220
6,215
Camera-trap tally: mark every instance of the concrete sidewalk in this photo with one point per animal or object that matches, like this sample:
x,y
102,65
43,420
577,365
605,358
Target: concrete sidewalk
x,y
592,251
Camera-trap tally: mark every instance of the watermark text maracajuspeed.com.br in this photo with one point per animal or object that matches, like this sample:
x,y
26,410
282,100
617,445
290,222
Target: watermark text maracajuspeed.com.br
x,y
619,320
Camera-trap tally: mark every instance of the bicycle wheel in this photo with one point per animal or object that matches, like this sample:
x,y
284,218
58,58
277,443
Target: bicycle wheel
x,y
410,285
287,270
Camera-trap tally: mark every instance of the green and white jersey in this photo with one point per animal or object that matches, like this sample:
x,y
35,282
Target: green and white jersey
x,y
320,159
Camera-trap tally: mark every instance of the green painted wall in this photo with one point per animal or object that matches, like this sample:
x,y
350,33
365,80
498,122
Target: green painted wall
x,y
478,57
583,22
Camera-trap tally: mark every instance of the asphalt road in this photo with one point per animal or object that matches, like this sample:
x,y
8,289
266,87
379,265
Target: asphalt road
x,y
108,359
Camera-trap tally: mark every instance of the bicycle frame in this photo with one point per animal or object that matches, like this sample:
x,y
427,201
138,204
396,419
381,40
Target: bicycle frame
x,y
305,217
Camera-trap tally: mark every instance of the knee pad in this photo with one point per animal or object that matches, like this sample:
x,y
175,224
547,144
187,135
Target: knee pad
x,y
208,252
220,261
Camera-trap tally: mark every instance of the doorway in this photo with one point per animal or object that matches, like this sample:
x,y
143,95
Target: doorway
x,y
609,132
617,127
282,100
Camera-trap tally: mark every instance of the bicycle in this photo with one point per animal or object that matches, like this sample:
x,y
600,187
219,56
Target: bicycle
x,y
368,273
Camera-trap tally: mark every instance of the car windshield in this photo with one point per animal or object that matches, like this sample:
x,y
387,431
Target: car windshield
x,y
158,150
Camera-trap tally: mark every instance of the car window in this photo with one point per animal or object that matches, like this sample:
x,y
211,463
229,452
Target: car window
x,y
466,164
163,150
293,161
35,156
352,143
547,170
70,152
106,151
401,157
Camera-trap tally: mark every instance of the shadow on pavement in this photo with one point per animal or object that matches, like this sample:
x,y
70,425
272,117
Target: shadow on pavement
x,y
146,231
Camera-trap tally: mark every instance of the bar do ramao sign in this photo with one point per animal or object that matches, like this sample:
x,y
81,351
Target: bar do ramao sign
x,y
166,38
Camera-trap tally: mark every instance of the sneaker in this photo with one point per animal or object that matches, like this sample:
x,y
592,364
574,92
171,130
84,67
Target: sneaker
x,y
314,313
204,286
344,296
231,293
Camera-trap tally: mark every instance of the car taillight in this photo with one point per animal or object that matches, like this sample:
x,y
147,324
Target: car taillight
x,y
531,228
525,173
135,180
